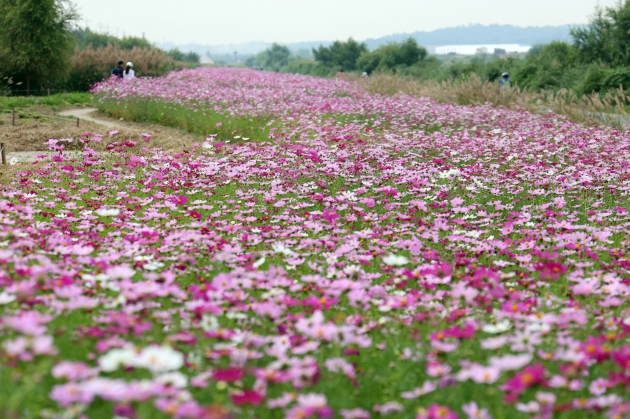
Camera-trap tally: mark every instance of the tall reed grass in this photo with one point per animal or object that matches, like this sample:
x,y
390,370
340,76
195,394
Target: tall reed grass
x,y
607,109
92,65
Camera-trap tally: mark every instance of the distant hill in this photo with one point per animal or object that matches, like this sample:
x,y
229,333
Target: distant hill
x,y
460,35
480,34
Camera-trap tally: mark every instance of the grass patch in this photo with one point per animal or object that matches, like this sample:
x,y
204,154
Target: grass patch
x,y
56,101
200,120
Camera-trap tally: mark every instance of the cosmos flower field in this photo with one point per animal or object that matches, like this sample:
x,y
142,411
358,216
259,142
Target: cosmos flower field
x,y
368,256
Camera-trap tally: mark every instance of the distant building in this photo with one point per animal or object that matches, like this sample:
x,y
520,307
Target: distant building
x,y
481,49
205,59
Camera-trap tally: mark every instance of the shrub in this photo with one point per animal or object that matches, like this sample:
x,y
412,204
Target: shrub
x,y
274,57
392,56
340,55
473,90
307,67
92,65
178,55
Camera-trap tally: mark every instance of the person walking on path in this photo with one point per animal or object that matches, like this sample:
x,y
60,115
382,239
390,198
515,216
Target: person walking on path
x,y
129,73
505,81
118,70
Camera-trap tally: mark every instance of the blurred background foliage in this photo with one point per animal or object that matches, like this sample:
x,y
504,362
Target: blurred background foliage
x,y
42,50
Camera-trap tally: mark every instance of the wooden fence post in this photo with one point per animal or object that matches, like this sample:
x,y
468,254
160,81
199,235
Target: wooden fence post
x,y
77,122
13,117
4,156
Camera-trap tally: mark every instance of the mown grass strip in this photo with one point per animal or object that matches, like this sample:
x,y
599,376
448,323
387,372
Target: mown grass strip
x,y
198,120
60,100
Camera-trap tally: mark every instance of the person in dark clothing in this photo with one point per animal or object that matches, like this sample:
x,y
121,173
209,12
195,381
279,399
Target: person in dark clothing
x,y
118,71
505,81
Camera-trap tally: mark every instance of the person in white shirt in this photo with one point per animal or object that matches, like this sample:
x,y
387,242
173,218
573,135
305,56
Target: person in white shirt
x,y
129,73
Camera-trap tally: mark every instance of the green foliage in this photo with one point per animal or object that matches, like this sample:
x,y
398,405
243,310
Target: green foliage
x,y
249,62
307,67
392,56
55,101
97,40
203,121
177,55
601,79
274,57
605,38
192,57
303,53
86,37
340,55
546,66
36,39
93,65
131,42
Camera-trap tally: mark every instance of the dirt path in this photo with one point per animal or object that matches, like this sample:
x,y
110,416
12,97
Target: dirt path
x,y
85,114
26,141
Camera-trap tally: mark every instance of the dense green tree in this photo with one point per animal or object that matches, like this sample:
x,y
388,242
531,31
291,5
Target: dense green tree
x,y
250,61
274,57
308,67
97,40
87,37
392,56
176,54
131,42
545,66
36,38
340,55
192,57
606,38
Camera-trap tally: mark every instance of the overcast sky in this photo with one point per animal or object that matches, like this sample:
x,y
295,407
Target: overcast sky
x,y
216,22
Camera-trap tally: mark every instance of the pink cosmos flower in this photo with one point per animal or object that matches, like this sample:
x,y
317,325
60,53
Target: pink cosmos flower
x,y
436,411
71,393
473,411
389,407
228,375
529,377
179,200
356,413
247,397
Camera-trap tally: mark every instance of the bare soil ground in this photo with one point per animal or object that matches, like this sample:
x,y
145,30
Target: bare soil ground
x,y
35,127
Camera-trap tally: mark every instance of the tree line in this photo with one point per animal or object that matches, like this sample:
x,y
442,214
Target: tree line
x,y
42,49
595,60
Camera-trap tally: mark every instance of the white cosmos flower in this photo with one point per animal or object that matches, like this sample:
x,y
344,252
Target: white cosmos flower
x,y
208,323
259,262
278,248
394,260
108,212
159,359
538,327
6,298
174,379
153,265
116,358
13,161
500,327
